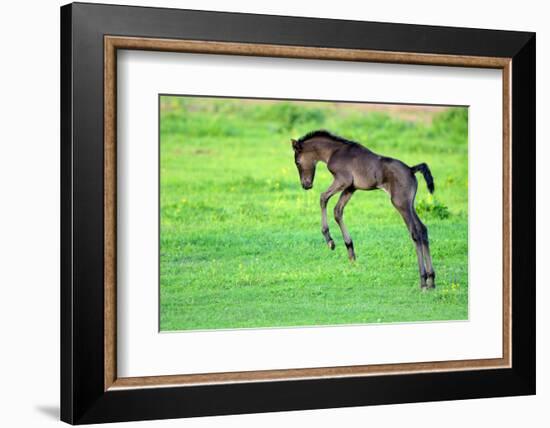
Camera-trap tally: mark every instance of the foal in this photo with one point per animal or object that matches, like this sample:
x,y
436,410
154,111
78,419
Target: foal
x,y
356,167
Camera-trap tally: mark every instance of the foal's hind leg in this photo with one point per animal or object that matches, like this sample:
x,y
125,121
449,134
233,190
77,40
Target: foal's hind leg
x,y
404,204
430,273
345,196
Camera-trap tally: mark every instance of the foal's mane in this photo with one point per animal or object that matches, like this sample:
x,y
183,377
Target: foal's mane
x,y
326,134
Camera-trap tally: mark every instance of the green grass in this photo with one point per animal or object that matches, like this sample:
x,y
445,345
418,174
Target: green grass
x,y
240,239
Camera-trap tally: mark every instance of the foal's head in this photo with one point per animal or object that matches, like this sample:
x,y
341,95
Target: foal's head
x,y
305,161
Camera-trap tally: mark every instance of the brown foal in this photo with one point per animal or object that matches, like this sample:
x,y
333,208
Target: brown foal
x,y
354,167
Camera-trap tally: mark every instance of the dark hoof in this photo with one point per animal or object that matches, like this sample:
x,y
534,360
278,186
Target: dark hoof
x,y
351,252
331,244
430,283
427,282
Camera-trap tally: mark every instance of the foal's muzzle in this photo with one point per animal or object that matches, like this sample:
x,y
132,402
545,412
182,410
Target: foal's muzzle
x,y
307,185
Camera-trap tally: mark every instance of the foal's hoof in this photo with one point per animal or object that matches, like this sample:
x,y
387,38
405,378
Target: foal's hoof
x,y
331,244
427,282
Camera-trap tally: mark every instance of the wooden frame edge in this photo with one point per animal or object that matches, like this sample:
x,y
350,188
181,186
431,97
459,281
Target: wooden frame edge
x,y
301,52
110,213
507,213
112,43
308,373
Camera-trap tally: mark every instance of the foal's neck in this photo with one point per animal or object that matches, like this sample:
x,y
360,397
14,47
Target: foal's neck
x,y
323,147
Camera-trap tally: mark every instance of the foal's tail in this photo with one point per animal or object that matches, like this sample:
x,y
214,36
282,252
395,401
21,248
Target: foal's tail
x,y
423,168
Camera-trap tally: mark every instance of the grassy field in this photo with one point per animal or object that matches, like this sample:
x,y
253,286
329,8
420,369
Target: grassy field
x,y
241,244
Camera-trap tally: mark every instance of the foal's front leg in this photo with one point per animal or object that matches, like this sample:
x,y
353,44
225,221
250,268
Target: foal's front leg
x,y
345,196
335,187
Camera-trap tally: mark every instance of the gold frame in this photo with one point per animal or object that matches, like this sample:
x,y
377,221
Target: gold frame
x,y
113,43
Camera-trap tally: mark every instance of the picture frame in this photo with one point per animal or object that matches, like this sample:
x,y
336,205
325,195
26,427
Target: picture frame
x,y
91,391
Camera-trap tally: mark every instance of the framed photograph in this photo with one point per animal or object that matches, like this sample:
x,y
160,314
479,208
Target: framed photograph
x,y
265,213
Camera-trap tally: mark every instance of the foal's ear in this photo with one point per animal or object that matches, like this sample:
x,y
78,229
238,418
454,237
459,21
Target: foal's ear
x,y
296,145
